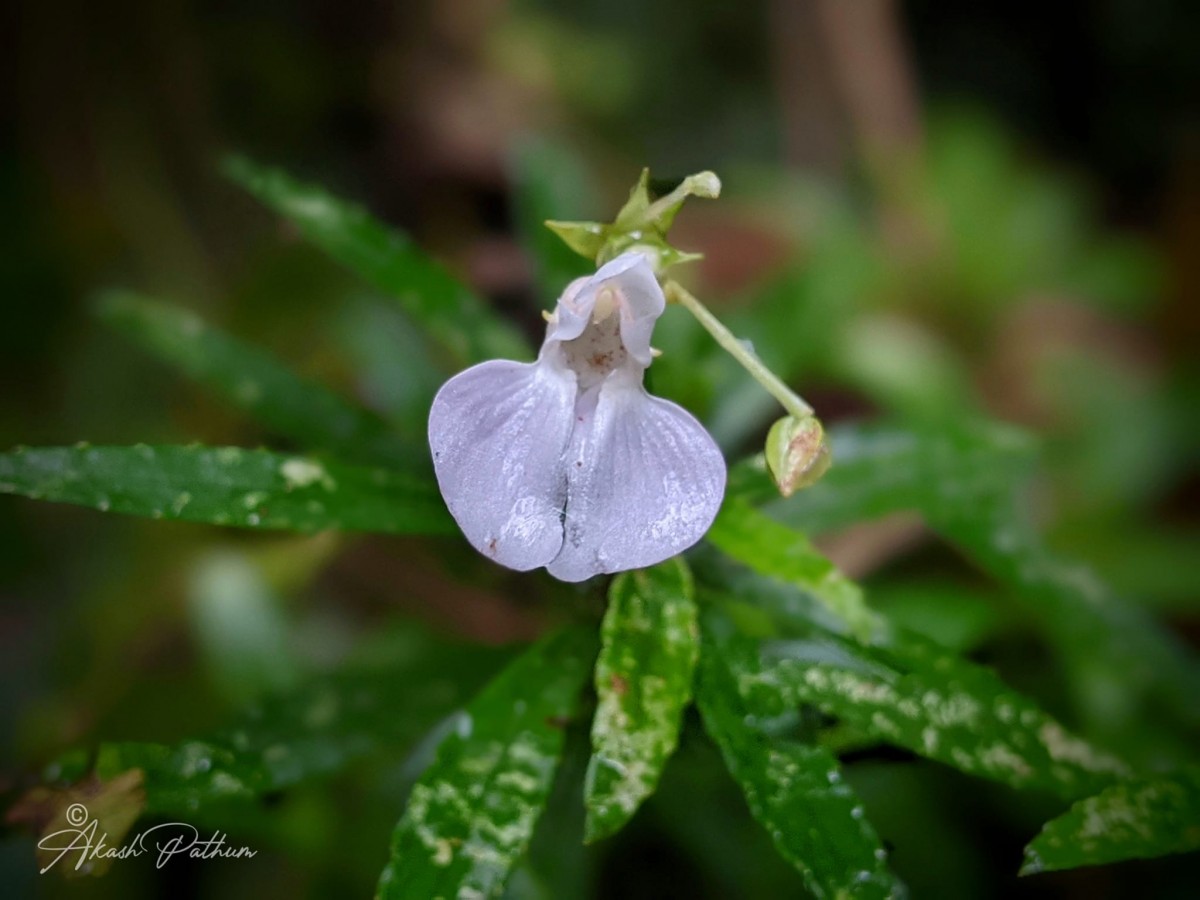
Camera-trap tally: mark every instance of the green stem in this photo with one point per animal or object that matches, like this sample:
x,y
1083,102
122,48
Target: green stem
x,y
789,399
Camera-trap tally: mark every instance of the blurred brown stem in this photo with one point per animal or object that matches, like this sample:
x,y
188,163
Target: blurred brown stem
x,y
871,69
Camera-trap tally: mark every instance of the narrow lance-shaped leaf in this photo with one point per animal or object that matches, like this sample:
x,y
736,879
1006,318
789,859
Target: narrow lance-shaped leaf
x,y
228,486
796,791
253,380
650,642
1137,819
932,702
776,551
470,816
916,695
967,482
446,309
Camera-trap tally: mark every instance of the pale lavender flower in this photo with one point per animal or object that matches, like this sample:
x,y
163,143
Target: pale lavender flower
x,y
567,462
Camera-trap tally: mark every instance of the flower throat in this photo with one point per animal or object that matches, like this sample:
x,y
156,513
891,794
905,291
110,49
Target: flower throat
x,y
599,351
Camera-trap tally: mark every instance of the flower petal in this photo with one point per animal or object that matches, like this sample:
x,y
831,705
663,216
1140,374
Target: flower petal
x,y
498,432
633,277
645,483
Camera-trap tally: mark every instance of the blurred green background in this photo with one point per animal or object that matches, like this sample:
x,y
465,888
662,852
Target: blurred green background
x,y
930,211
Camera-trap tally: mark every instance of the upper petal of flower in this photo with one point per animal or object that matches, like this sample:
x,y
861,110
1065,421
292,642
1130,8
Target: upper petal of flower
x,y
630,284
498,432
645,482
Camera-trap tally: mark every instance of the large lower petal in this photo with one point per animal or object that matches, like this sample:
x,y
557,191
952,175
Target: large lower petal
x,y
645,482
498,432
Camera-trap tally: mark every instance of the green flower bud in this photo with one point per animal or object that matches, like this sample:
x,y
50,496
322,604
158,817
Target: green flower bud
x,y
797,454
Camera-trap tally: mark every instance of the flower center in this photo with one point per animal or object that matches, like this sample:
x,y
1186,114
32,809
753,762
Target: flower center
x,y
599,350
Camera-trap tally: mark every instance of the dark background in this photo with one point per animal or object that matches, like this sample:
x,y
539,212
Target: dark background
x,y
113,117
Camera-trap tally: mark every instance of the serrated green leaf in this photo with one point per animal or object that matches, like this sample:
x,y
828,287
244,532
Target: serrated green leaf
x,y
228,486
549,184
649,645
967,482
916,695
471,814
447,310
796,791
931,702
1138,819
319,728
776,551
253,380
